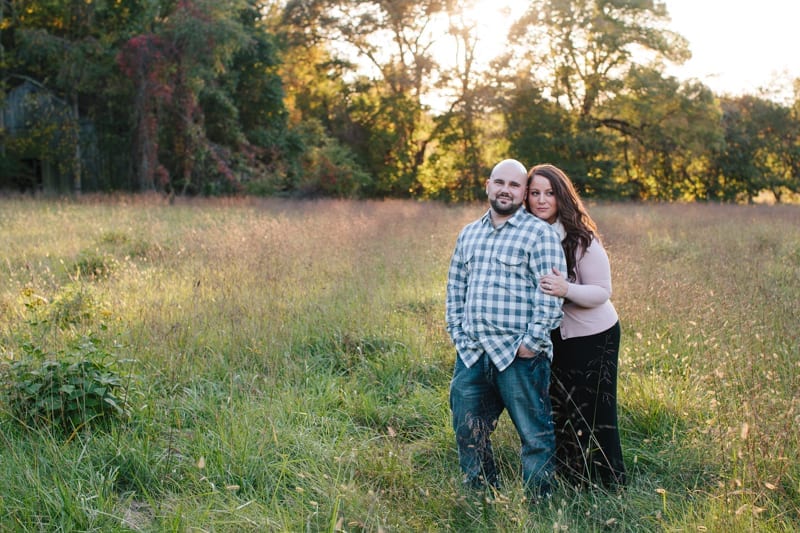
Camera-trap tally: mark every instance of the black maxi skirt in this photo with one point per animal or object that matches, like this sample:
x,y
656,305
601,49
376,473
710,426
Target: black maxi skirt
x,y
583,392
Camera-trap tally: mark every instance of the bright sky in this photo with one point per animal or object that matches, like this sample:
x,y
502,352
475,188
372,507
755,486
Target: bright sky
x,y
738,46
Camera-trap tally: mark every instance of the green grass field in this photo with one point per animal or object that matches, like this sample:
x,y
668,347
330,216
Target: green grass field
x,y
288,369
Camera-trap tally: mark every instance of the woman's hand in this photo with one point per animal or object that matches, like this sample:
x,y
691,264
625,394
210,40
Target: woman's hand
x,y
554,284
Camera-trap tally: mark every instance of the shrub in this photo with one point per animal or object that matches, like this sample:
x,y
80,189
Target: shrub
x,y
67,390
95,264
74,304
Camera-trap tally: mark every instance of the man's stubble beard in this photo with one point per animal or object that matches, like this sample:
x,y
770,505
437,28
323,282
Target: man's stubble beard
x,y
504,211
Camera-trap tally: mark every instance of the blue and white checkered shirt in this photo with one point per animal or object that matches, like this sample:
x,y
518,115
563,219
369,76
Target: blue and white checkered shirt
x,y
493,299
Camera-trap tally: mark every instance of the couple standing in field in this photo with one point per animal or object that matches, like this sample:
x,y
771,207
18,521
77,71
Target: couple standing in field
x,y
535,333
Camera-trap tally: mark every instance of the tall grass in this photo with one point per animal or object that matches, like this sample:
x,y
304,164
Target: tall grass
x,y
291,369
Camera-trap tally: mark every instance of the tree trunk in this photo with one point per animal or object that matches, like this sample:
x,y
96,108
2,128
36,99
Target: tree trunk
x,y
77,163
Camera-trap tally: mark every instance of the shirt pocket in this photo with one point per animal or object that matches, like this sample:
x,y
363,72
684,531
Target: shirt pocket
x,y
512,273
510,263
469,261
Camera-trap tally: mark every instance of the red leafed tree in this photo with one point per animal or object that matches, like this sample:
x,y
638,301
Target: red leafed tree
x,y
145,60
186,55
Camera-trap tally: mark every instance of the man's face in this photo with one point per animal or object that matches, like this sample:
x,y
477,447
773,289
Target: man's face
x,y
506,192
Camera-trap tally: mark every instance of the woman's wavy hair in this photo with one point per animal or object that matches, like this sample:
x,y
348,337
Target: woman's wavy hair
x,y
579,226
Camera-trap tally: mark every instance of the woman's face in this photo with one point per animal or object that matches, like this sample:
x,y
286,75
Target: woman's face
x,y
542,199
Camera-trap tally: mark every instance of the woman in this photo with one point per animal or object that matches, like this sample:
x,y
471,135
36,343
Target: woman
x,y
583,387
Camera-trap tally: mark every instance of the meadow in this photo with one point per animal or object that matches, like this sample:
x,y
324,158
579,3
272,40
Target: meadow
x,y
286,368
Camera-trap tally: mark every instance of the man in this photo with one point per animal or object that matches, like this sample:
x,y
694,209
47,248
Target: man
x,y
500,323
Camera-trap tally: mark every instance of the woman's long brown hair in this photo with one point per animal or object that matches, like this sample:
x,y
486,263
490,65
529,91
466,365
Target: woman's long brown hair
x,y
580,227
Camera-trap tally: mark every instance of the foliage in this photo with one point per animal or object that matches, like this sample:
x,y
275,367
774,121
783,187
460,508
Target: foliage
x,y
666,131
386,110
72,305
66,390
330,169
541,130
350,98
167,81
760,150
587,45
50,134
169,70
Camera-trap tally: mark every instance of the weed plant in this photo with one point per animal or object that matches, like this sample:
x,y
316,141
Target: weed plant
x,y
67,391
293,369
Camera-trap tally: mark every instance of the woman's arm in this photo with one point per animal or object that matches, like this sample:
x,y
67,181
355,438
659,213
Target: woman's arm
x,y
594,272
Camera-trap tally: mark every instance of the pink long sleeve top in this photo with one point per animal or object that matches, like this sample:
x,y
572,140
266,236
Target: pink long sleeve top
x,y
587,306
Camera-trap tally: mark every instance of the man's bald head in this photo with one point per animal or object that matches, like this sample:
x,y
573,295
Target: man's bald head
x,y
510,169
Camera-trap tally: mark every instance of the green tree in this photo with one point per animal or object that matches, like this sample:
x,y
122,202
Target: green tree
x,y
580,53
665,131
584,48
58,45
201,38
245,115
760,150
539,129
779,157
193,76
189,87
464,137
320,106
392,40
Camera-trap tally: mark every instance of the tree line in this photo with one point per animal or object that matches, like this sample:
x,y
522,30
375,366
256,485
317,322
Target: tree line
x,y
346,98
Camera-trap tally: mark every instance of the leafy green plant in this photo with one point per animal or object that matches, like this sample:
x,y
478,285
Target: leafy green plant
x,y
67,390
72,305
95,264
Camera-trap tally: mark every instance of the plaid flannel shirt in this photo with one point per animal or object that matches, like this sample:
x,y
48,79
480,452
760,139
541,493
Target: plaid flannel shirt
x,y
493,299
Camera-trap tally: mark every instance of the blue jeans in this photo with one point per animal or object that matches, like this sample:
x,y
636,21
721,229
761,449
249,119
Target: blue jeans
x,y
478,396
